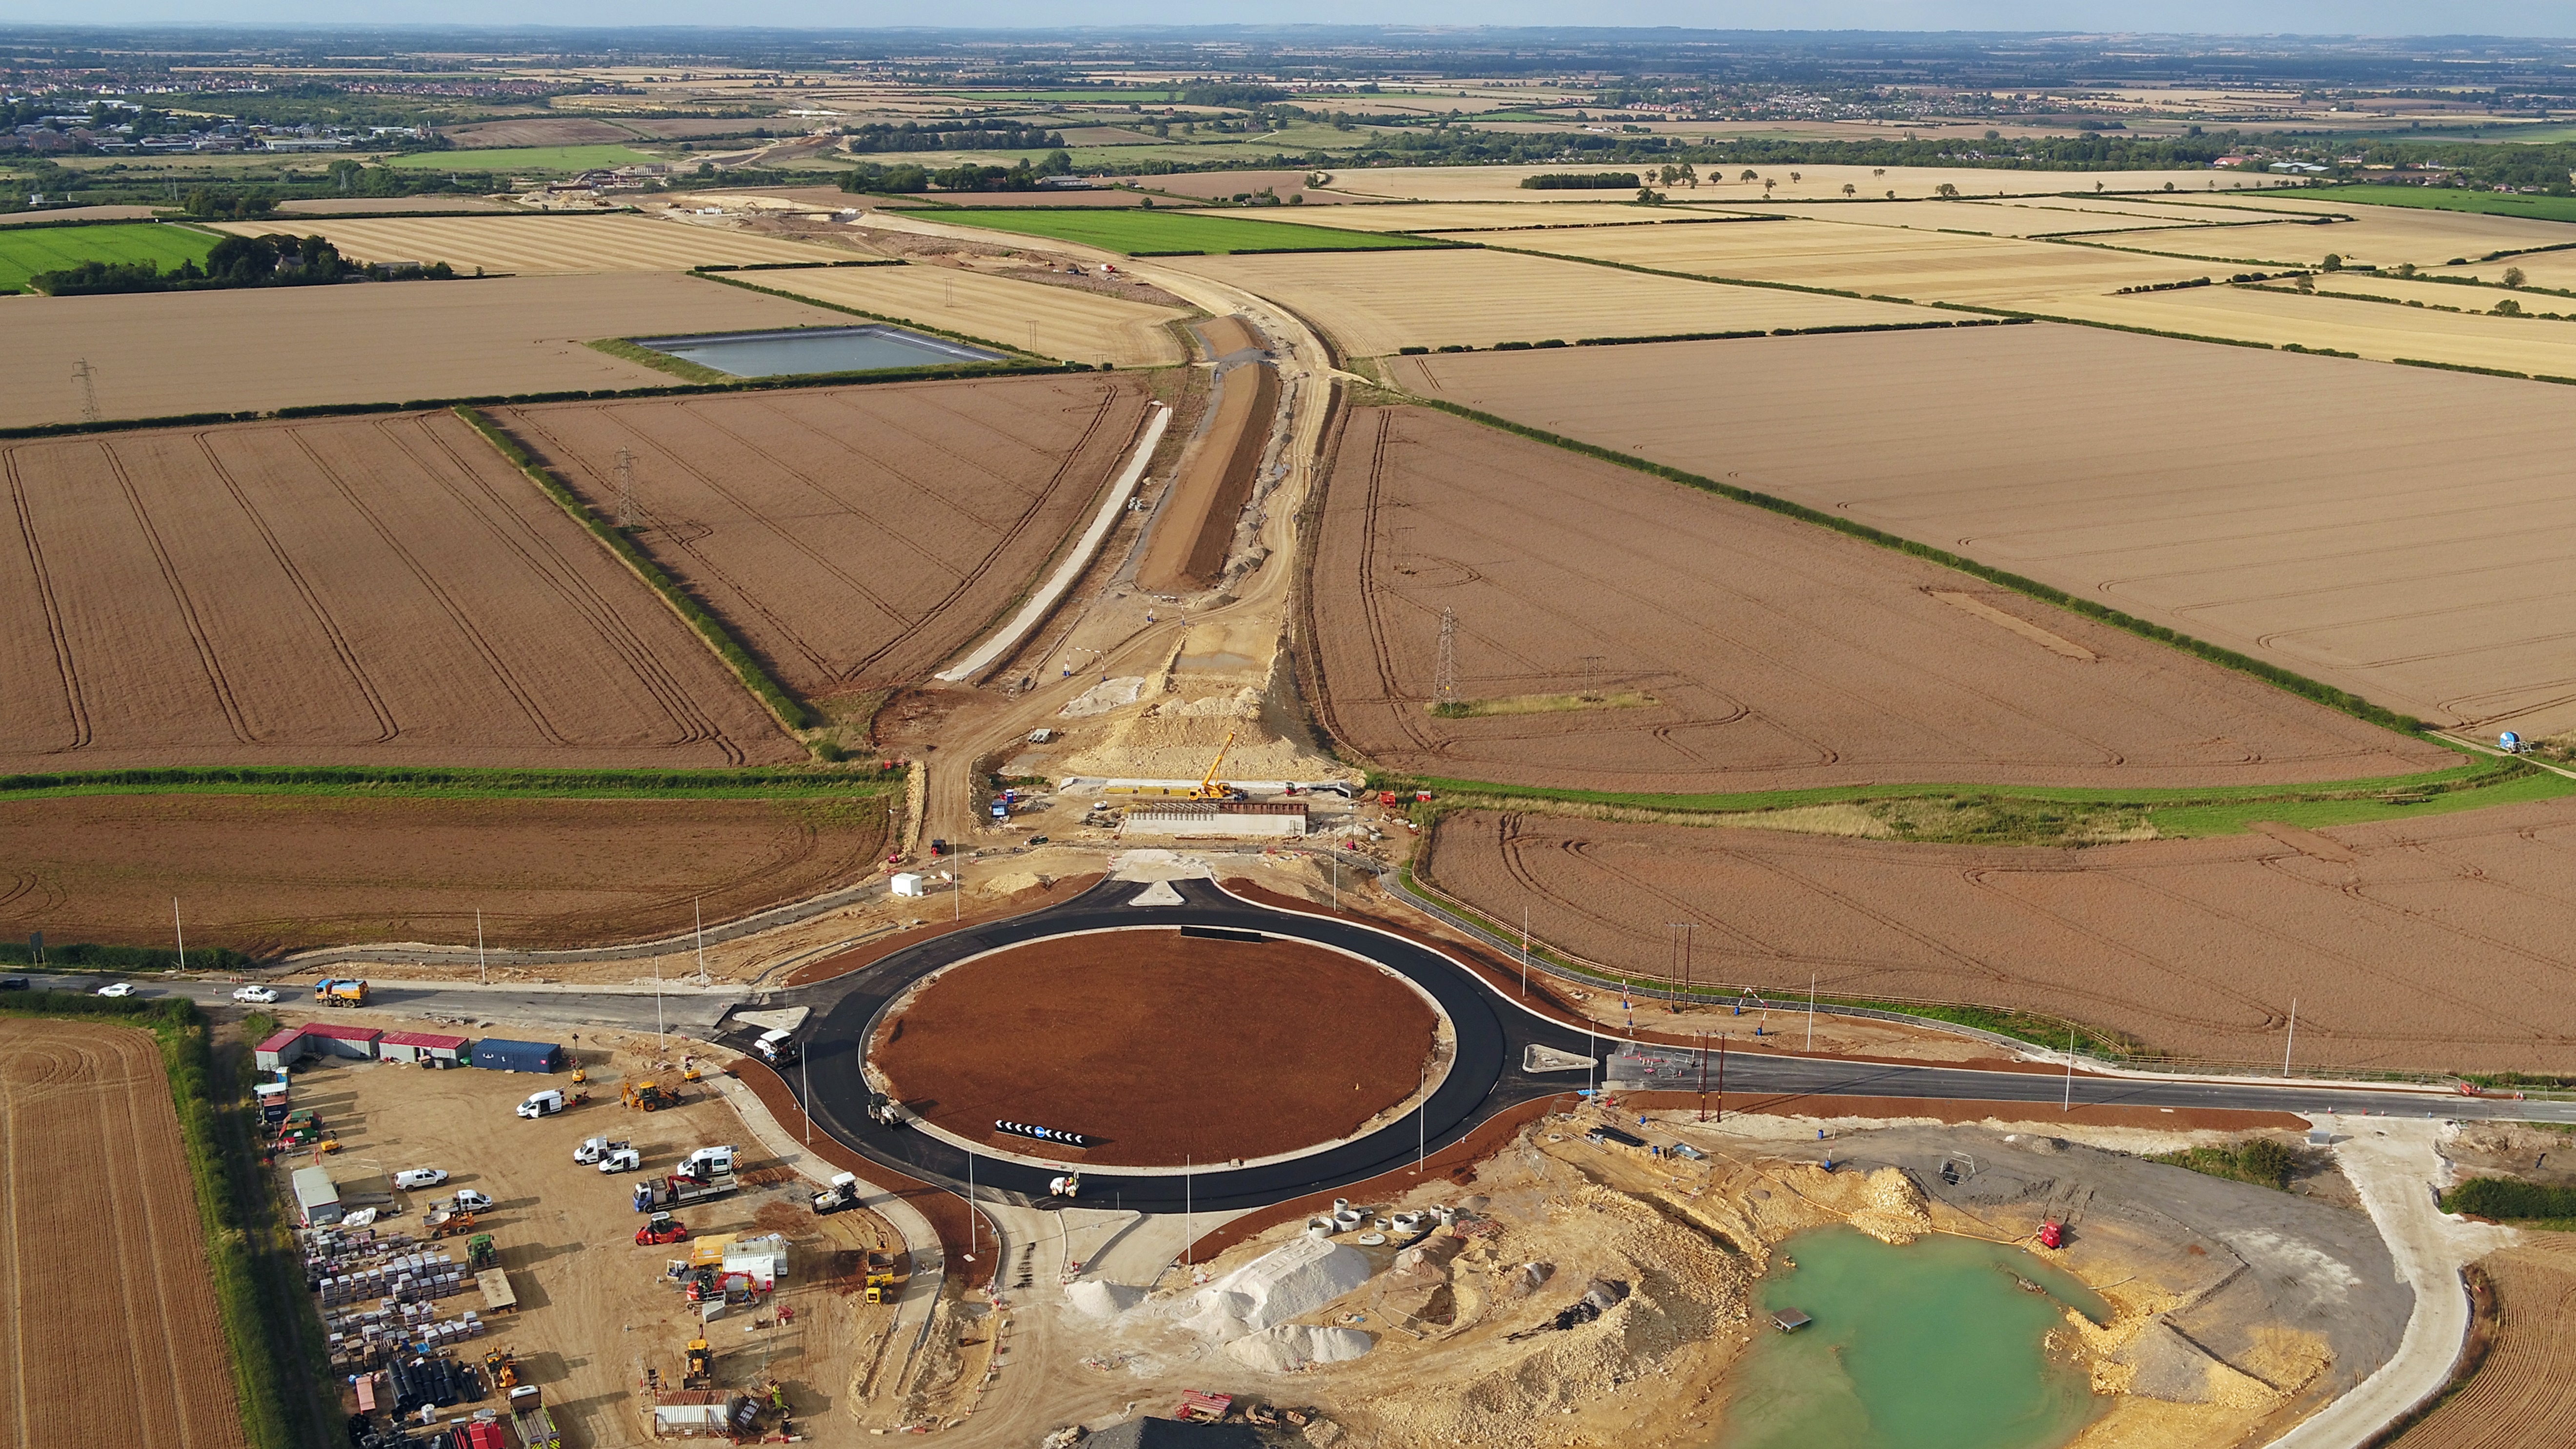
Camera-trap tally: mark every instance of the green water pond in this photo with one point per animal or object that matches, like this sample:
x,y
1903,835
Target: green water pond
x,y
1934,1345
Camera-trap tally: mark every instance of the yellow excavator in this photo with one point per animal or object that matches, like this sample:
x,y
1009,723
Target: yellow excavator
x,y
1213,788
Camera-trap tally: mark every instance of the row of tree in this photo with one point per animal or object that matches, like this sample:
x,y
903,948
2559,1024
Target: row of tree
x,y
872,178
236,261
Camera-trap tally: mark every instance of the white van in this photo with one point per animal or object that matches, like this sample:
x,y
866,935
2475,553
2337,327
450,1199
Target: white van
x,y
542,1104
778,1048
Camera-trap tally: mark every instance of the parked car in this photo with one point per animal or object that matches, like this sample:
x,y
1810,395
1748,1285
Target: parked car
x,y
470,1201
14,983
420,1177
261,994
117,988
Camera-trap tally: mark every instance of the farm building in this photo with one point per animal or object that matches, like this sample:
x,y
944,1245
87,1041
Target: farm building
x,y
315,1196
1216,818
517,1056
423,1048
296,1043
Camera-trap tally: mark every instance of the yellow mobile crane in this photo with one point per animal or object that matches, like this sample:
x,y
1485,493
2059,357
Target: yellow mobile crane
x,y
1212,788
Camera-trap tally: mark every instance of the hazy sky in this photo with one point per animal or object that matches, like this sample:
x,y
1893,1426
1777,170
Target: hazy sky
x,y
2555,18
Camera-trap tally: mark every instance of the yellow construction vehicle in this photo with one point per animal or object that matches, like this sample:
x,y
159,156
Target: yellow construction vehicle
x,y
701,1372
1213,788
503,1366
649,1096
689,1069
880,1285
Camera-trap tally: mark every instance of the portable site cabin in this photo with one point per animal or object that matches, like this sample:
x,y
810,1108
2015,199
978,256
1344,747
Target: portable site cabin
x,y
423,1048
517,1056
315,1197
272,1101
763,1260
696,1414
313,1039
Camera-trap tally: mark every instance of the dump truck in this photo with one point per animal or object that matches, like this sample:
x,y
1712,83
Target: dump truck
x,y
701,1370
340,991
537,1429
842,1193
680,1190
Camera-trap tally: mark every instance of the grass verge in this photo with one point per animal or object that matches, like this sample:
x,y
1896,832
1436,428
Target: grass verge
x,y
258,1280
2504,1200
679,367
459,783
790,710
1539,704
2035,814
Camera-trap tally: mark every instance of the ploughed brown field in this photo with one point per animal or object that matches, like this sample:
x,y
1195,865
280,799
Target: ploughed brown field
x,y
1112,1036
158,355
857,536
2327,528
381,590
2446,943
270,873
2528,1378
125,1348
1735,649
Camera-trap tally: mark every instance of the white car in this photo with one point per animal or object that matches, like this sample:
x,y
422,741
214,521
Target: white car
x,y
117,988
420,1177
261,994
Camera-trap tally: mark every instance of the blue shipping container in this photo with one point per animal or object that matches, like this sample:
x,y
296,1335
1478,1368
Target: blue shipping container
x,y
517,1056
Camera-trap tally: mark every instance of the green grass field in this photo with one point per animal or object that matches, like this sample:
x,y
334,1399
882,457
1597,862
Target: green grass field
x,y
1141,232
2454,198
524,159
25,251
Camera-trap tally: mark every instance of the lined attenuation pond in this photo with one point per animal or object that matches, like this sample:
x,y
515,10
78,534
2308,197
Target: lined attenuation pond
x,y
816,349
1936,1345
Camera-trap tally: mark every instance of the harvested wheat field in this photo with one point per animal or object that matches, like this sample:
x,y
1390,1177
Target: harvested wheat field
x,y
1879,261
1814,183
2528,1378
1375,302
1735,649
2328,531
1087,1034
551,245
1994,216
158,355
2443,943
1611,209
1050,321
539,131
2359,232
381,590
854,537
136,1354
272,873
2378,331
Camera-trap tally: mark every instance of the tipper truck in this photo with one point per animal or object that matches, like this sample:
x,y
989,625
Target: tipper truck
x,y
339,992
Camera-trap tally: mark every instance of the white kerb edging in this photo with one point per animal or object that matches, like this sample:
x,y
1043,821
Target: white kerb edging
x,y
1085,549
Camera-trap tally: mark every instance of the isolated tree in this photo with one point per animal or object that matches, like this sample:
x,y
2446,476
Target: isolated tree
x,y
1669,175
1946,191
2508,308
2513,276
2405,269
1881,171
2334,263
1891,195
1690,175
1749,175
1849,189
1794,176
2097,188
1767,183
2306,283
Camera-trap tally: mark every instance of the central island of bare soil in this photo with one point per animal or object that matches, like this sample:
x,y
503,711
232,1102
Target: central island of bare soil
x,y
1166,1049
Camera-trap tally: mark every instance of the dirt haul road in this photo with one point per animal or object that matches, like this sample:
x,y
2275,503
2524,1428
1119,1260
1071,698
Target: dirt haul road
x,y
1307,376
123,1346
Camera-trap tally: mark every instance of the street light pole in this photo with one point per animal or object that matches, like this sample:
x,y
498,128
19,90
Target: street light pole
x,y
699,911
2294,1036
182,932
1721,1076
481,973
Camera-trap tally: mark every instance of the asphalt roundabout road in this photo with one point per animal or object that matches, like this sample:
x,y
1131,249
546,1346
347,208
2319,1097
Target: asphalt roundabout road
x,y
850,1012
1486,1076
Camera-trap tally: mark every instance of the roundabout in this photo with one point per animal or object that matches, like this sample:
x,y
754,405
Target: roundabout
x,y
1157,1046
1310,1008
